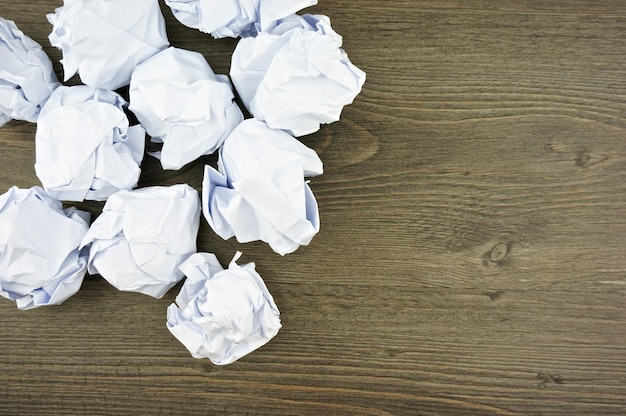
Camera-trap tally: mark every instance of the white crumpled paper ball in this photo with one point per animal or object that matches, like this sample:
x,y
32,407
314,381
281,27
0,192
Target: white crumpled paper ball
x,y
26,75
180,102
295,76
232,18
85,148
259,192
222,314
40,260
103,41
142,236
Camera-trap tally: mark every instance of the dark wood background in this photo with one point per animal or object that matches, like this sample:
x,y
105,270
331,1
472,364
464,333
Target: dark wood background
x,y
471,258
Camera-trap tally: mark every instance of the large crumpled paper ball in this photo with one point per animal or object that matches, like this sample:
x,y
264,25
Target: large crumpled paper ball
x,y
26,75
180,102
103,41
40,260
259,192
142,236
295,76
222,314
232,18
85,148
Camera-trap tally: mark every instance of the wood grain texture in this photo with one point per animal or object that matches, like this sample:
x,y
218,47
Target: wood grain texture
x,y
471,258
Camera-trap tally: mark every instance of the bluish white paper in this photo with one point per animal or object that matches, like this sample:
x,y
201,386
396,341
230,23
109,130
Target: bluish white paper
x,y
232,18
142,236
85,148
103,41
295,76
26,75
180,102
40,260
222,314
259,191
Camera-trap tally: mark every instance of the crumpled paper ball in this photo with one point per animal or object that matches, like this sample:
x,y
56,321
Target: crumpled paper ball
x,y
259,192
40,260
85,148
222,314
232,18
103,41
180,102
295,76
142,236
26,75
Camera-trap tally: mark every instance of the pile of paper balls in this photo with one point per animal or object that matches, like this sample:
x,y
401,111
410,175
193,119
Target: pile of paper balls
x,y
291,74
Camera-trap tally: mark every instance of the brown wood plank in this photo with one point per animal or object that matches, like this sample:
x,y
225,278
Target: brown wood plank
x,y
471,258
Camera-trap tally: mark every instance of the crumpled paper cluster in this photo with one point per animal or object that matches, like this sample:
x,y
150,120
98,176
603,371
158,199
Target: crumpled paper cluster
x,y
259,192
40,260
103,41
204,112
232,18
222,314
26,75
290,73
85,148
296,75
142,236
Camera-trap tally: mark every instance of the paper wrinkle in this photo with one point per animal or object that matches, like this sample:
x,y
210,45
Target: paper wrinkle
x,y
295,76
85,148
40,260
180,102
259,191
232,18
142,236
220,314
103,41
26,75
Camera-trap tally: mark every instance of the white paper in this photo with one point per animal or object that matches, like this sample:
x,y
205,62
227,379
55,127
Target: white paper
x,y
232,18
142,236
26,75
295,76
259,192
180,102
85,148
40,260
103,41
222,314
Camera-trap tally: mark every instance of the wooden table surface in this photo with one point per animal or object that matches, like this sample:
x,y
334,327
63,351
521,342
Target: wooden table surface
x,y
471,258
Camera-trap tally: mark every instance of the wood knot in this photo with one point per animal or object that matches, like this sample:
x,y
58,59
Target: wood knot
x,y
499,252
582,158
545,379
345,144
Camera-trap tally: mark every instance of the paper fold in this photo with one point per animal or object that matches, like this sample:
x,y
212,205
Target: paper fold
x,y
222,314
180,102
40,260
26,75
142,236
259,191
85,148
103,41
295,76
232,18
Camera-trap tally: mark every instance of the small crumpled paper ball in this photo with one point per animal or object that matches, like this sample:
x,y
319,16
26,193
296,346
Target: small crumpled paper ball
x,y
259,192
222,314
180,102
295,76
40,260
85,148
142,236
26,75
103,41
232,18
